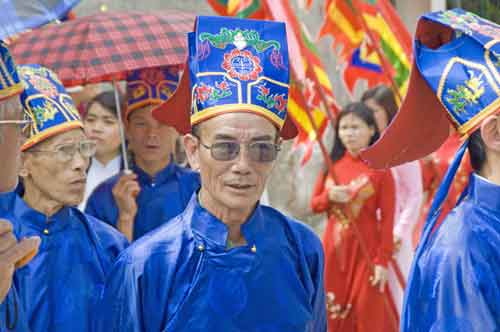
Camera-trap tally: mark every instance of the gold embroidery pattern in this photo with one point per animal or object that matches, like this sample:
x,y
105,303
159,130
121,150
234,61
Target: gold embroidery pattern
x,y
466,95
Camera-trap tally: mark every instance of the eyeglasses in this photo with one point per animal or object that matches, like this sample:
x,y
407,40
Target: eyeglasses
x,y
66,152
262,152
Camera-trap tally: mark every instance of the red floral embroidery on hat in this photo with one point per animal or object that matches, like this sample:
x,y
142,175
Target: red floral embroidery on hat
x,y
242,65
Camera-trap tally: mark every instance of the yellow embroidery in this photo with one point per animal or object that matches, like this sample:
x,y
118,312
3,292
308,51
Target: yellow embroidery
x,y
468,94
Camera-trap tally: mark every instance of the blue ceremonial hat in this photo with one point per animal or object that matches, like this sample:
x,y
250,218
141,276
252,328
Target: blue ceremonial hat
x,y
10,85
455,78
151,86
234,65
47,104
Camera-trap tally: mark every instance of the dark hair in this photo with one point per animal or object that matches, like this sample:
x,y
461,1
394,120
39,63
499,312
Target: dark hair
x,y
361,111
107,100
477,151
383,96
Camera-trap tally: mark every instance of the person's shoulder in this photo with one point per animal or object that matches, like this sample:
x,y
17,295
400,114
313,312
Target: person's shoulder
x,y
107,185
295,230
107,234
465,232
188,174
166,240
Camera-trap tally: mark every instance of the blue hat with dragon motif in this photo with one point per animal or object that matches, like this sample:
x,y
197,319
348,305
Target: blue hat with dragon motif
x,y
234,65
10,84
47,104
455,78
151,86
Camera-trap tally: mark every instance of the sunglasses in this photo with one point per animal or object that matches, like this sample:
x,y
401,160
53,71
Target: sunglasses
x,y
262,152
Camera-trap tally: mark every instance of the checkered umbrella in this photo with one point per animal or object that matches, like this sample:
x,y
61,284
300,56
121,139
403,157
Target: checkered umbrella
x,y
105,46
20,15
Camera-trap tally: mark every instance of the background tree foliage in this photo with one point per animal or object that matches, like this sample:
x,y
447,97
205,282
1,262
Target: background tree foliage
x,y
489,9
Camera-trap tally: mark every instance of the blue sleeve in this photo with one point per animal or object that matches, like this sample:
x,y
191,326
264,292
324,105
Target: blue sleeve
x,y
458,291
12,317
119,306
312,262
101,203
316,266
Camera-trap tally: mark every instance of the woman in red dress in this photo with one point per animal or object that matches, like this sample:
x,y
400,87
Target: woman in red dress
x,y
358,240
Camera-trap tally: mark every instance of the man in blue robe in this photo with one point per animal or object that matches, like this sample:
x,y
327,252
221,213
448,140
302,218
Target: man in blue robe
x,y
454,283
13,254
226,263
58,289
157,189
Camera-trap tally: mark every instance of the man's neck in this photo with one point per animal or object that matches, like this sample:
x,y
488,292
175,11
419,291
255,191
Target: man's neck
x,y
105,158
152,167
491,168
232,218
40,202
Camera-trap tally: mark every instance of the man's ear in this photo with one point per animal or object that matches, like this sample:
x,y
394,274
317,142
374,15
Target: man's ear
x,y
24,167
192,148
490,132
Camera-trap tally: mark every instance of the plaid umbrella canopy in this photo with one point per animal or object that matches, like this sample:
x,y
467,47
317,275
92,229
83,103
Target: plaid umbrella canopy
x,y
105,46
20,15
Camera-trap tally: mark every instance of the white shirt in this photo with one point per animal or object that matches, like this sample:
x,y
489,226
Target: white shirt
x,y
97,174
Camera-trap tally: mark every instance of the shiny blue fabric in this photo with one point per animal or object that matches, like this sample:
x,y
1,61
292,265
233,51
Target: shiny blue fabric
x,y
12,317
59,288
182,278
455,282
161,198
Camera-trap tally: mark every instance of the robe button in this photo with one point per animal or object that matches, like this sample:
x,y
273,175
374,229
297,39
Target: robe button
x,y
46,231
201,247
254,249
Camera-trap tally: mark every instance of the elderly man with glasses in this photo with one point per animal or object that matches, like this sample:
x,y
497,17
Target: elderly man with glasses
x,y
58,289
226,263
13,254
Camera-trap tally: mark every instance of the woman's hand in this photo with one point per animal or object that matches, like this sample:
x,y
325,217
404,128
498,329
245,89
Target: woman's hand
x,y
379,277
339,194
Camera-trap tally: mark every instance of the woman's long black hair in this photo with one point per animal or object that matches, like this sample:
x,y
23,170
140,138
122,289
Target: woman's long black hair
x,y
361,111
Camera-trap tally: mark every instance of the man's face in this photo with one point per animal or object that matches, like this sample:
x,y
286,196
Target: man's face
x,y
235,184
149,139
57,179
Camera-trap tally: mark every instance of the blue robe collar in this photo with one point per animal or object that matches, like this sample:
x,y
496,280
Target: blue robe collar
x,y
484,193
215,231
161,177
39,221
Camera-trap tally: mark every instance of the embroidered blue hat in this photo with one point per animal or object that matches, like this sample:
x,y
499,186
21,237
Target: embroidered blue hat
x,y
455,79
47,104
234,65
151,86
10,85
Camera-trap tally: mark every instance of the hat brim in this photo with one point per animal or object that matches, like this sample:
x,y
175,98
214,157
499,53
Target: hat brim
x,y
176,111
421,125
419,128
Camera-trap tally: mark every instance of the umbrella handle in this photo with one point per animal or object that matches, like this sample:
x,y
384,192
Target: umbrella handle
x,y
121,129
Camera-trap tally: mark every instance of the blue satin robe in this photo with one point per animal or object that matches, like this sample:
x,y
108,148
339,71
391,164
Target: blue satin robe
x,y
161,198
455,286
58,290
12,317
182,278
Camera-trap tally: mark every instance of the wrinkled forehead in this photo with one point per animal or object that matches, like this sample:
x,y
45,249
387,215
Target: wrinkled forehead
x,y
242,126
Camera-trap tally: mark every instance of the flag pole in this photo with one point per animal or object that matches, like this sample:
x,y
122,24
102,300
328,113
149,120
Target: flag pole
x,y
378,50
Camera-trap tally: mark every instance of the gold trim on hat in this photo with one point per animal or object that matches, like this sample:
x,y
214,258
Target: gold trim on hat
x,y
487,57
11,91
472,122
43,135
211,112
